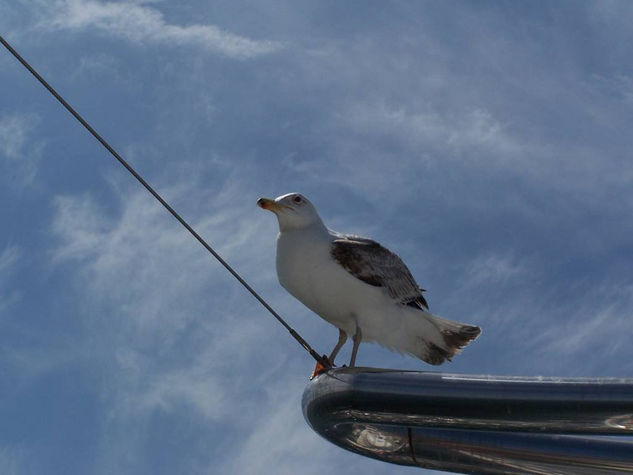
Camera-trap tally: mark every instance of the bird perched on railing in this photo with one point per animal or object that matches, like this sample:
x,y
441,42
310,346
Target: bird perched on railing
x,y
359,286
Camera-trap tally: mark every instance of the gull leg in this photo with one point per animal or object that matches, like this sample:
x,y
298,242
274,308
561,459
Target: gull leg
x,y
357,337
342,338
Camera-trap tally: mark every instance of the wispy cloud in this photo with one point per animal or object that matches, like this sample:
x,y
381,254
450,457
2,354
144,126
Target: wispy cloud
x,y
599,322
124,258
174,331
12,460
395,150
8,260
20,150
143,24
430,129
280,414
495,269
97,65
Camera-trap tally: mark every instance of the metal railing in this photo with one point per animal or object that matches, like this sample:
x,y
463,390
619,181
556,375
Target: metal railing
x,y
476,424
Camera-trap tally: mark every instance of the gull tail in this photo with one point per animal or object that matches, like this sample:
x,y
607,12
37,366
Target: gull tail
x,y
419,333
447,341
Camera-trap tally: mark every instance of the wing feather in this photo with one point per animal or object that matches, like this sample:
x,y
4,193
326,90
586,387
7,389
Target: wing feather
x,y
376,265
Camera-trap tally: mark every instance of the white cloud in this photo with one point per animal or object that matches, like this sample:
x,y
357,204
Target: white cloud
x,y
80,225
458,134
143,263
544,331
598,323
12,460
20,151
399,151
494,269
148,388
391,149
278,438
173,332
98,64
143,24
8,260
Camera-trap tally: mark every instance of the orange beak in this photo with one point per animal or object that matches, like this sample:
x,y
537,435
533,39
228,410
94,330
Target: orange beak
x,y
268,204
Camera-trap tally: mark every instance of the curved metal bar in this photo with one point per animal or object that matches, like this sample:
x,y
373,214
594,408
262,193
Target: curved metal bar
x,y
482,424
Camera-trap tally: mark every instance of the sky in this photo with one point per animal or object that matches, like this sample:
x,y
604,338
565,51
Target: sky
x,y
487,143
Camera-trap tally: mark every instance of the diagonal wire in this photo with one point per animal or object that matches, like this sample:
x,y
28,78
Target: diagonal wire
x,y
320,359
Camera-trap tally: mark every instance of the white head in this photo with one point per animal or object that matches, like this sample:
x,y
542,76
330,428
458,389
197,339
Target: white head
x,y
293,211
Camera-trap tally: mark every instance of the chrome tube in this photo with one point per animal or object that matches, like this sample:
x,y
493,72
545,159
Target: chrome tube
x,y
476,424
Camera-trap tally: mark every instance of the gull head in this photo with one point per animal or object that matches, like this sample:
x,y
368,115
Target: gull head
x,y
293,210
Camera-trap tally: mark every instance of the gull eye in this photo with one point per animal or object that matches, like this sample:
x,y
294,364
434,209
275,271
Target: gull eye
x,y
297,199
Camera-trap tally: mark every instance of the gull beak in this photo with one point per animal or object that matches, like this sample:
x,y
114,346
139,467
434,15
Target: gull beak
x,y
268,204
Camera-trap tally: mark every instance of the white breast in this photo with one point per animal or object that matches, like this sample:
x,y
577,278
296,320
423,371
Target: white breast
x,y
306,269
299,254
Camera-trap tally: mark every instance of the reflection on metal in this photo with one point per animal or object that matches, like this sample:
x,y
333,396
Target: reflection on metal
x,y
476,424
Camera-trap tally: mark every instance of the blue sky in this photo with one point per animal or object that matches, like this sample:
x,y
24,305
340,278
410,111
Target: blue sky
x,y
488,143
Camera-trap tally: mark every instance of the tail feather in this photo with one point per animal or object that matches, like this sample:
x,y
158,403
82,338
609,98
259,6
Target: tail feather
x,y
455,336
461,337
435,355
420,333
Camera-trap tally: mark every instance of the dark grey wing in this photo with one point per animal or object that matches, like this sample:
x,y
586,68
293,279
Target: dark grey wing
x,y
378,266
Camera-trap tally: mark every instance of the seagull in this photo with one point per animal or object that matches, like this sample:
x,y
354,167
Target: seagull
x,y
359,286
